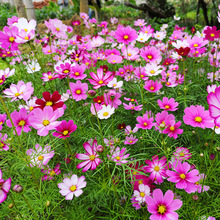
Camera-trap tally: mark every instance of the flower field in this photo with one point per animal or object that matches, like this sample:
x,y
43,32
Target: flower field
x,y
121,122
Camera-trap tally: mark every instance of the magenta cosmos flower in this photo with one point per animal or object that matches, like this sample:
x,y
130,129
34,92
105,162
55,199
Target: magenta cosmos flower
x,y
78,90
213,100
50,173
3,142
125,35
119,155
157,168
150,54
182,176
173,129
99,79
182,153
65,129
2,119
72,186
152,86
130,140
5,186
91,158
145,122
45,120
20,120
196,116
168,104
163,207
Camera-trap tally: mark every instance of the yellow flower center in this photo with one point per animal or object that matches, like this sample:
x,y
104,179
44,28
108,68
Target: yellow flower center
x,y
66,71
152,88
31,108
118,158
129,54
157,168
73,188
161,209
45,122
105,114
40,158
134,173
167,106
1,122
182,154
198,119
49,77
49,103
65,132
21,123
152,71
197,183
11,39
57,29
92,157
140,182
26,38
2,145
33,68
212,35
76,73
126,37
172,128
130,142
100,82
78,91
149,57
195,45
17,94
182,176
77,59
142,194
52,173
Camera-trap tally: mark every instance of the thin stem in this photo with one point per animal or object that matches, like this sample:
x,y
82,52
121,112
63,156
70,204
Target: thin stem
x,y
30,207
15,205
198,137
210,150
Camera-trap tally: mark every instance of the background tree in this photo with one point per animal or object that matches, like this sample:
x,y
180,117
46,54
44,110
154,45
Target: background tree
x,y
20,8
84,6
30,9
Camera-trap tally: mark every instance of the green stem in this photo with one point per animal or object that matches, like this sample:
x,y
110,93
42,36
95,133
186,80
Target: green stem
x,y
198,137
30,207
15,205
210,150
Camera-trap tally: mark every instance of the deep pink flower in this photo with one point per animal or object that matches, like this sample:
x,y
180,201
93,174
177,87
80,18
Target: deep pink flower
x,y
163,207
65,129
2,119
5,186
131,106
211,33
112,98
196,116
45,120
78,90
21,121
152,86
182,176
3,142
168,104
77,72
173,129
119,155
157,167
182,153
50,173
91,158
150,54
164,119
145,122
72,186
125,35
7,38
99,79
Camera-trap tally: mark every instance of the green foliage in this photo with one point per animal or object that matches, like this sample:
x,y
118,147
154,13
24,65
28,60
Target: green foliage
x,y
6,11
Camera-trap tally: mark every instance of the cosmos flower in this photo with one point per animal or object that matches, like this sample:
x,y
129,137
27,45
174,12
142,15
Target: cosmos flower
x,y
106,112
125,35
5,186
168,104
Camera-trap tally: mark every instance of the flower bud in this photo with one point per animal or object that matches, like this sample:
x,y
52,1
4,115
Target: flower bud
x,y
18,188
47,203
92,93
195,197
10,205
212,156
201,154
218,148
100,148
193,132
206,144
185,89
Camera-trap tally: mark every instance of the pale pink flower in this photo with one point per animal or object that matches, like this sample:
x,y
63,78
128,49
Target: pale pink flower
x,y
130,140
141,193
119,155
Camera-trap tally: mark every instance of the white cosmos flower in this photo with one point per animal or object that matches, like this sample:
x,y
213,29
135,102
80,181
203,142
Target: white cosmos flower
x,y
176,18
143,37
106,112
152,69
180,43
23,24
33,67
114,84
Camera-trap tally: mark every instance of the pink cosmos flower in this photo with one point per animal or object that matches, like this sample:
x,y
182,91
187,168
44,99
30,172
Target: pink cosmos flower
x,y
141,193
157,168
213,100
48,76
12,20
130,140
173,129
200,184
145,122
152,86
57,27
130,52
77,72
65,129
140,73
19,91
78,90
140,22
21,121
163,207
114,59
45,120
129,131
5,187
2,119
91,158
7,38
39,156
119,155
182,153
3,142
72,186
182,176
50,173
150,54
99,79
168,104
131,106
164,119
112,98
196,116
125,35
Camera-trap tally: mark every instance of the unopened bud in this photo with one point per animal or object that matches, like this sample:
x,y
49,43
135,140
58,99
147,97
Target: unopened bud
x,y
201,154
212,156
218,148
162,126
18,188
92,92
100,148
206,144
185,89
193,132
10,205
195,197
47,203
